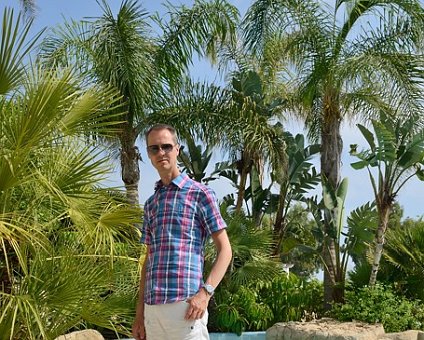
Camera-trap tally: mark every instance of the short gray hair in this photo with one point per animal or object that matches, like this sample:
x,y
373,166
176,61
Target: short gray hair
x,y
158,127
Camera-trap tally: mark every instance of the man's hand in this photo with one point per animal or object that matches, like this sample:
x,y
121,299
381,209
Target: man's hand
x,y
197,305
138,330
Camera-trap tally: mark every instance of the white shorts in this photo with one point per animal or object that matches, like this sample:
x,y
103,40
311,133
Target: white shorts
x,y
166,322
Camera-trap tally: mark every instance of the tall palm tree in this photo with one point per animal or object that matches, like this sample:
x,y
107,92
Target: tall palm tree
x,y
122,51
340,65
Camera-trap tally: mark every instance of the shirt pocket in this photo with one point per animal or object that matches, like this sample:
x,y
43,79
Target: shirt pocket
x,y
185,210
185,219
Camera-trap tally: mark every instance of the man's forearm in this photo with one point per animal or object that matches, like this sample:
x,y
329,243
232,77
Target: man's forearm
x,y
140,302
223,258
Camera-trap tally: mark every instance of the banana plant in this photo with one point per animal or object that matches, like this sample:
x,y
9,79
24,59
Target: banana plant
x,y
329,211
396,152
195,161
254,146
351,241
301,177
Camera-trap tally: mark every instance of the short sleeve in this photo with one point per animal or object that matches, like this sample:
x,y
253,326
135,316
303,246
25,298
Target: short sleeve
x,y
145,230
209,212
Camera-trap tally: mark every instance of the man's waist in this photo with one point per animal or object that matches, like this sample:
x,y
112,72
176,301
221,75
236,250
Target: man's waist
x,y
163,296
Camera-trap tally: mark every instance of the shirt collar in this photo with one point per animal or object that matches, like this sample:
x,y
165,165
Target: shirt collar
x,y
178,181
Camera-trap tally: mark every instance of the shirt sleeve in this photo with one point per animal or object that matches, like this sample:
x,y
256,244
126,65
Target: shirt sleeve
x,y
145,230
209,211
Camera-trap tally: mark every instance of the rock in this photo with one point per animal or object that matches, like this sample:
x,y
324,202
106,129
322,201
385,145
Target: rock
x,y
325,328
89,334
330,329
408,335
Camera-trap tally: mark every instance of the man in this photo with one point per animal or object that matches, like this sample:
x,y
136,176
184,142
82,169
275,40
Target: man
x,y
178,219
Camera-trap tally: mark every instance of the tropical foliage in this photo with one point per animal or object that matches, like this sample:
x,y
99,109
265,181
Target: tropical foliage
x,y
68,256
300,177
337,67
333,200
122,52
261,304
402,258
397,153
63,237
380,304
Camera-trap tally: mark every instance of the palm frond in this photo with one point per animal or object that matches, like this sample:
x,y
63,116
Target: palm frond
x,y
265,18
123,54
200,29
13,48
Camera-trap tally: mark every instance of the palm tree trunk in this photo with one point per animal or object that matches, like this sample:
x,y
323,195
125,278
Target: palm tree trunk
x,y
242,189
331,149
130,171
329,272
5,277
279,224
384,214
245,165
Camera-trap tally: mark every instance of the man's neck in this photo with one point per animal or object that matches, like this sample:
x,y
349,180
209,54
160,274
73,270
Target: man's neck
x,y
167,178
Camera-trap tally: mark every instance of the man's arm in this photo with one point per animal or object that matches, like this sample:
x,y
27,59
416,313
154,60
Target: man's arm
x,y
138,330
199,302
223,258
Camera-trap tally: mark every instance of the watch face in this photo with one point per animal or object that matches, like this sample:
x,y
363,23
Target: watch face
x,y
209,289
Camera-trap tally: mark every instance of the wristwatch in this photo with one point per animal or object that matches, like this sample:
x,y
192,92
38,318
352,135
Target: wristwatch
x,y
209,289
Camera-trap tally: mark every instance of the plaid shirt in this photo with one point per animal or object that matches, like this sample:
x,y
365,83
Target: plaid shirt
x,y
178,219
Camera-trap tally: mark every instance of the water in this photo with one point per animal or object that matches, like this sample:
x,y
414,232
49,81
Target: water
x,y
243,336
232,336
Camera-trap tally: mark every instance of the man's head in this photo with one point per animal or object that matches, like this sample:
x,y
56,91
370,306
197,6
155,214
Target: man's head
x,y
158,127
163,149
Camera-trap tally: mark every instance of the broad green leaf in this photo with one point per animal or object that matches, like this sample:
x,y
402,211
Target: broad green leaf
x,y
359,165
368,136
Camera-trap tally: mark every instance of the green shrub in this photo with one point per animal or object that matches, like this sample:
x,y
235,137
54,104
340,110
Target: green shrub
x,y
241,311
290,298
381,305
260,305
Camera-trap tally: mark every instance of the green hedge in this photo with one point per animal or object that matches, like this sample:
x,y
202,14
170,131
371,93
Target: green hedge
x,y
381,305
259,306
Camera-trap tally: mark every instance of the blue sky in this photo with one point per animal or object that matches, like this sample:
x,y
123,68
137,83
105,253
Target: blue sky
x,y
53,12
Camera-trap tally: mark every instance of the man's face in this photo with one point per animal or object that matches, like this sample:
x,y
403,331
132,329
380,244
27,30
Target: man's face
x,y
160,152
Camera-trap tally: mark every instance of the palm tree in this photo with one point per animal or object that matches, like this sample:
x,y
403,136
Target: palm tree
x,y
251,105
121,51
404,257
340,69
397,153
55,217
12,51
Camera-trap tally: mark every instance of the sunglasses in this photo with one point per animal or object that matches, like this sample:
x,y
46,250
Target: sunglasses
x,y
154,149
